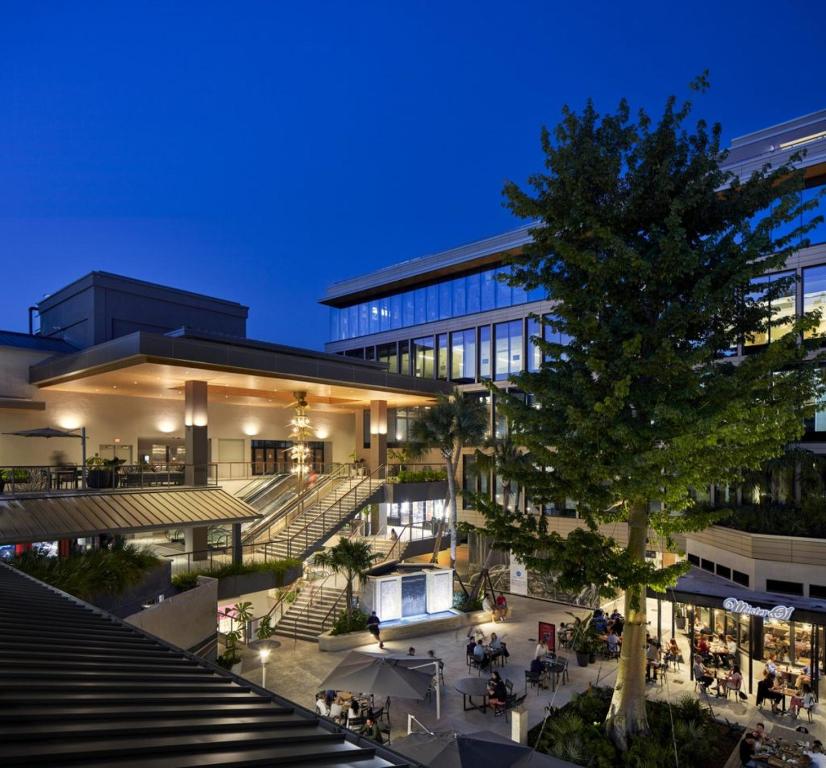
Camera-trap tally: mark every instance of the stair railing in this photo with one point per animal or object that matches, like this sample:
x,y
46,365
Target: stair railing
x,y
316,594
301,540
306,499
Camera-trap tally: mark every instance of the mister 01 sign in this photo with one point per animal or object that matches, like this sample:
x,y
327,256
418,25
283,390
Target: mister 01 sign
x,y
780,612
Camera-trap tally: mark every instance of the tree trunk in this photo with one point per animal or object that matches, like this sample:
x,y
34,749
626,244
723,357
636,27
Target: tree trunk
x,y
626,715
451,516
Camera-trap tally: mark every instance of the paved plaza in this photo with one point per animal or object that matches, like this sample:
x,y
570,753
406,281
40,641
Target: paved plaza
x,y
296,670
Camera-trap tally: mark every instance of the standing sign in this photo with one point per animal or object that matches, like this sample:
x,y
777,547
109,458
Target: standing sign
x,y
547,632
519,576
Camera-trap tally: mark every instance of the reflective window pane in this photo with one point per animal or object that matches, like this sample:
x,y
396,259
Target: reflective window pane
x,y
421,305
432,303
404,357
395,311
473,286
463,356
500,332
386,353
459,304
534,352
408,308
441,357
445,303
488,289
503,290
384,314
484,352
423,357
373,309
814,296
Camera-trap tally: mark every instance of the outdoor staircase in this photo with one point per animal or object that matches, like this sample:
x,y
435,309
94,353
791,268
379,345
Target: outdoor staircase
x,y
308,532
303,620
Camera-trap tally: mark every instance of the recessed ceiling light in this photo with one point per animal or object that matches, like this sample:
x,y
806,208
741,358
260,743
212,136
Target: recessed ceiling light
x,y
114,386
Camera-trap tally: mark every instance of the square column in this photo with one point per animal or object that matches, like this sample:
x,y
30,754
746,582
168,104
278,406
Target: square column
x,y
196,471
378,433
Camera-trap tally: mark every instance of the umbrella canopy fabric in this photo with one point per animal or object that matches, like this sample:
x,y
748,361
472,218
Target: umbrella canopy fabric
x,y
43,432
380,676
483,749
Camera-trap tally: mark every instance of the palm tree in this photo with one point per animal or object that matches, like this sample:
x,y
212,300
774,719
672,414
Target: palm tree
x,y
351,559
498,457
448,426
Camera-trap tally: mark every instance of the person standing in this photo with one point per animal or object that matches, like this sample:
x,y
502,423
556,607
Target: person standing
x,y
501,607
373,623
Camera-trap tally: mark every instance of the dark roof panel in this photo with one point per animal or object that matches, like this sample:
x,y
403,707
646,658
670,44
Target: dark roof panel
x,y
88,689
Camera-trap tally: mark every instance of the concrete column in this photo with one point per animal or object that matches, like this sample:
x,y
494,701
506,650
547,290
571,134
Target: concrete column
x,y
378,434
196,540
197,438
237,549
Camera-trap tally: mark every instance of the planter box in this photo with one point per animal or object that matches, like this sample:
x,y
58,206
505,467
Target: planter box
x,y
395,493
328,642
233,586
156,582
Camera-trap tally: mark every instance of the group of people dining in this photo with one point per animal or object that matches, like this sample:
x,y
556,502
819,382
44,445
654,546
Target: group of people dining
x,y
486,653
718,650
776,685
757,748
342,707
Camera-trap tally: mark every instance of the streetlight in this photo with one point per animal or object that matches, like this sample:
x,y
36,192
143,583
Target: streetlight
x,y
264,654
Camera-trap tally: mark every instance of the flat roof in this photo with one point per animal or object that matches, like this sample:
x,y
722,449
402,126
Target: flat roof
x,y
434,266
81,687
87,513
703,588
33,341
236,370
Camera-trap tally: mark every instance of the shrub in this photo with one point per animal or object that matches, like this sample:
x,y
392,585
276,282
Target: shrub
x,y
356,622
96,572
185,581
462,603
421,476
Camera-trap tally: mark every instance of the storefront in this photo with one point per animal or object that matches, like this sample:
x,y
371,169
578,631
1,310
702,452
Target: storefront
x,y
785,629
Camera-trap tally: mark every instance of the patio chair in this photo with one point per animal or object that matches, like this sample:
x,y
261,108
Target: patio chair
x,y
533,679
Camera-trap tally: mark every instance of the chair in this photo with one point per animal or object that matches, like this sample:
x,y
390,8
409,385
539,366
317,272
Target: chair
x,y
534,679
735,689
562,674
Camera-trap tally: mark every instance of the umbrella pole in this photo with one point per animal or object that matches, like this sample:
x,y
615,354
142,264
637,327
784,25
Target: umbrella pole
x,y
83,456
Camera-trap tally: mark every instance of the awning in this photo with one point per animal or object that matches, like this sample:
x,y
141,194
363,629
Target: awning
x,y
698,587
65,516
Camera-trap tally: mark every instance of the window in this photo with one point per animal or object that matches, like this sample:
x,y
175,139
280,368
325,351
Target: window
x,y
817,590
740,578
488,290
370,353
373,308
484,352
473,287
364,319
420,307
784,587
693,559
723,571
365,425
432,303
441,357
386,353
782,309
409,308
359,353
404,357
484,399
814,296
707,565
459,302
398,424
473,481
384,314
503,289
463,356
396,311
534,352
445,300
508,360
423,357
500,422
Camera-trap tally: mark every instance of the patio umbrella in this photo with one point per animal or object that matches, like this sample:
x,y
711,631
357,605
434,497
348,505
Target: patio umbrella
x,y
44,432
483,749
379,676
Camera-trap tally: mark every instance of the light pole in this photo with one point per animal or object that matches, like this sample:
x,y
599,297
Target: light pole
x,y
264,654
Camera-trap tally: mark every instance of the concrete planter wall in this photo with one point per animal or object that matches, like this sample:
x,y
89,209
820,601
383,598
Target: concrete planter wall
x,y
395,493
328,642
156,582
258,581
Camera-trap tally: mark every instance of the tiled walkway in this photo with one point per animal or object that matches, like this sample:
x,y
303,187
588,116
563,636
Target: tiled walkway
x,y
296,669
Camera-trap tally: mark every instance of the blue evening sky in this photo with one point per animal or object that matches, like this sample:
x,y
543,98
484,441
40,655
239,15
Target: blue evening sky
x,y
259,151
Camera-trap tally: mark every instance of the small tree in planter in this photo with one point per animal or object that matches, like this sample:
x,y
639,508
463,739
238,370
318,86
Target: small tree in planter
x,y
584,640
240,615
351,559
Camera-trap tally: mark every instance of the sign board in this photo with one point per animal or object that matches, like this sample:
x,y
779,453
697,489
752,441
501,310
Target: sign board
x,y
780,612
547,632
519,576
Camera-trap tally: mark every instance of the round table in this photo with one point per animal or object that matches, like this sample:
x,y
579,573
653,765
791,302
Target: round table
x,y
471,687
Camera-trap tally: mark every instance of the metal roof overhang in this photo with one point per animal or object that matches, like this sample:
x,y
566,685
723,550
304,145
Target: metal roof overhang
x,y
698,587
72,515
79,686
150,365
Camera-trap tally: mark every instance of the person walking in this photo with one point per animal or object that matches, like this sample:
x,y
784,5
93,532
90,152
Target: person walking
x,y
373,623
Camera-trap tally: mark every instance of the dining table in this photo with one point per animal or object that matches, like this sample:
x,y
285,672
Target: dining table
x,y
471,688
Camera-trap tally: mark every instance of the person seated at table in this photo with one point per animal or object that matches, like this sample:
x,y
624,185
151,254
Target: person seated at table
x,y
352,713
612,641
618,625
652,660
497,693
599,622
337,709
672,650
765,690
815,754
733,680
371,729
771,665
542,649
495,643
702,647
615,614
471,647
480,655
321,705
701,674
748,748
803,697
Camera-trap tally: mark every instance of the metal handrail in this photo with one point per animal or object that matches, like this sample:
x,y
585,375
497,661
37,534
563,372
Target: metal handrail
x,y
323,514
315,591
308,499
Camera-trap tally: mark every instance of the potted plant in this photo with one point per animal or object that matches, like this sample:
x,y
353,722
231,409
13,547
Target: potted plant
x,y
13,477
102,473
239,615
583,640
265,628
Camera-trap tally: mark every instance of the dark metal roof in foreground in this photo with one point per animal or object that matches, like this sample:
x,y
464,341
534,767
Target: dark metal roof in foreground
x,y
79,687
70,515
703,588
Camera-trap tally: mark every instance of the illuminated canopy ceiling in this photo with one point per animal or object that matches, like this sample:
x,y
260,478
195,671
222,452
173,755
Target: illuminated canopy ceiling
x,y
238,371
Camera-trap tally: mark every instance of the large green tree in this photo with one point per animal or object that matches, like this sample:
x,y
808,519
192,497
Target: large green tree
x,y
450,425
653,254
351,559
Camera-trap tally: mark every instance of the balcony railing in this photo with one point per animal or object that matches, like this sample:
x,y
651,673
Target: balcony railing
x,y
35,479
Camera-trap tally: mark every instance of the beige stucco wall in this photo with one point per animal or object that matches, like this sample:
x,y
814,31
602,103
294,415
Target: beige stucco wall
x,y
185,620
108,417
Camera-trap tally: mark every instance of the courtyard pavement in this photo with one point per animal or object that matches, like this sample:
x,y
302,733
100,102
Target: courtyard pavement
x,y
297,668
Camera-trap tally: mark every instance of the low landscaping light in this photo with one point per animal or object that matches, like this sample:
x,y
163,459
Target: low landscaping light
x,y
264,654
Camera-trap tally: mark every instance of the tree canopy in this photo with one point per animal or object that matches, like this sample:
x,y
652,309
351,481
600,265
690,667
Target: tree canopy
x,y
653,255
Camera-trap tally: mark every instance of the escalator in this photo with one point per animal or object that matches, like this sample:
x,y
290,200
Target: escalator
x,y
264,493
252,487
